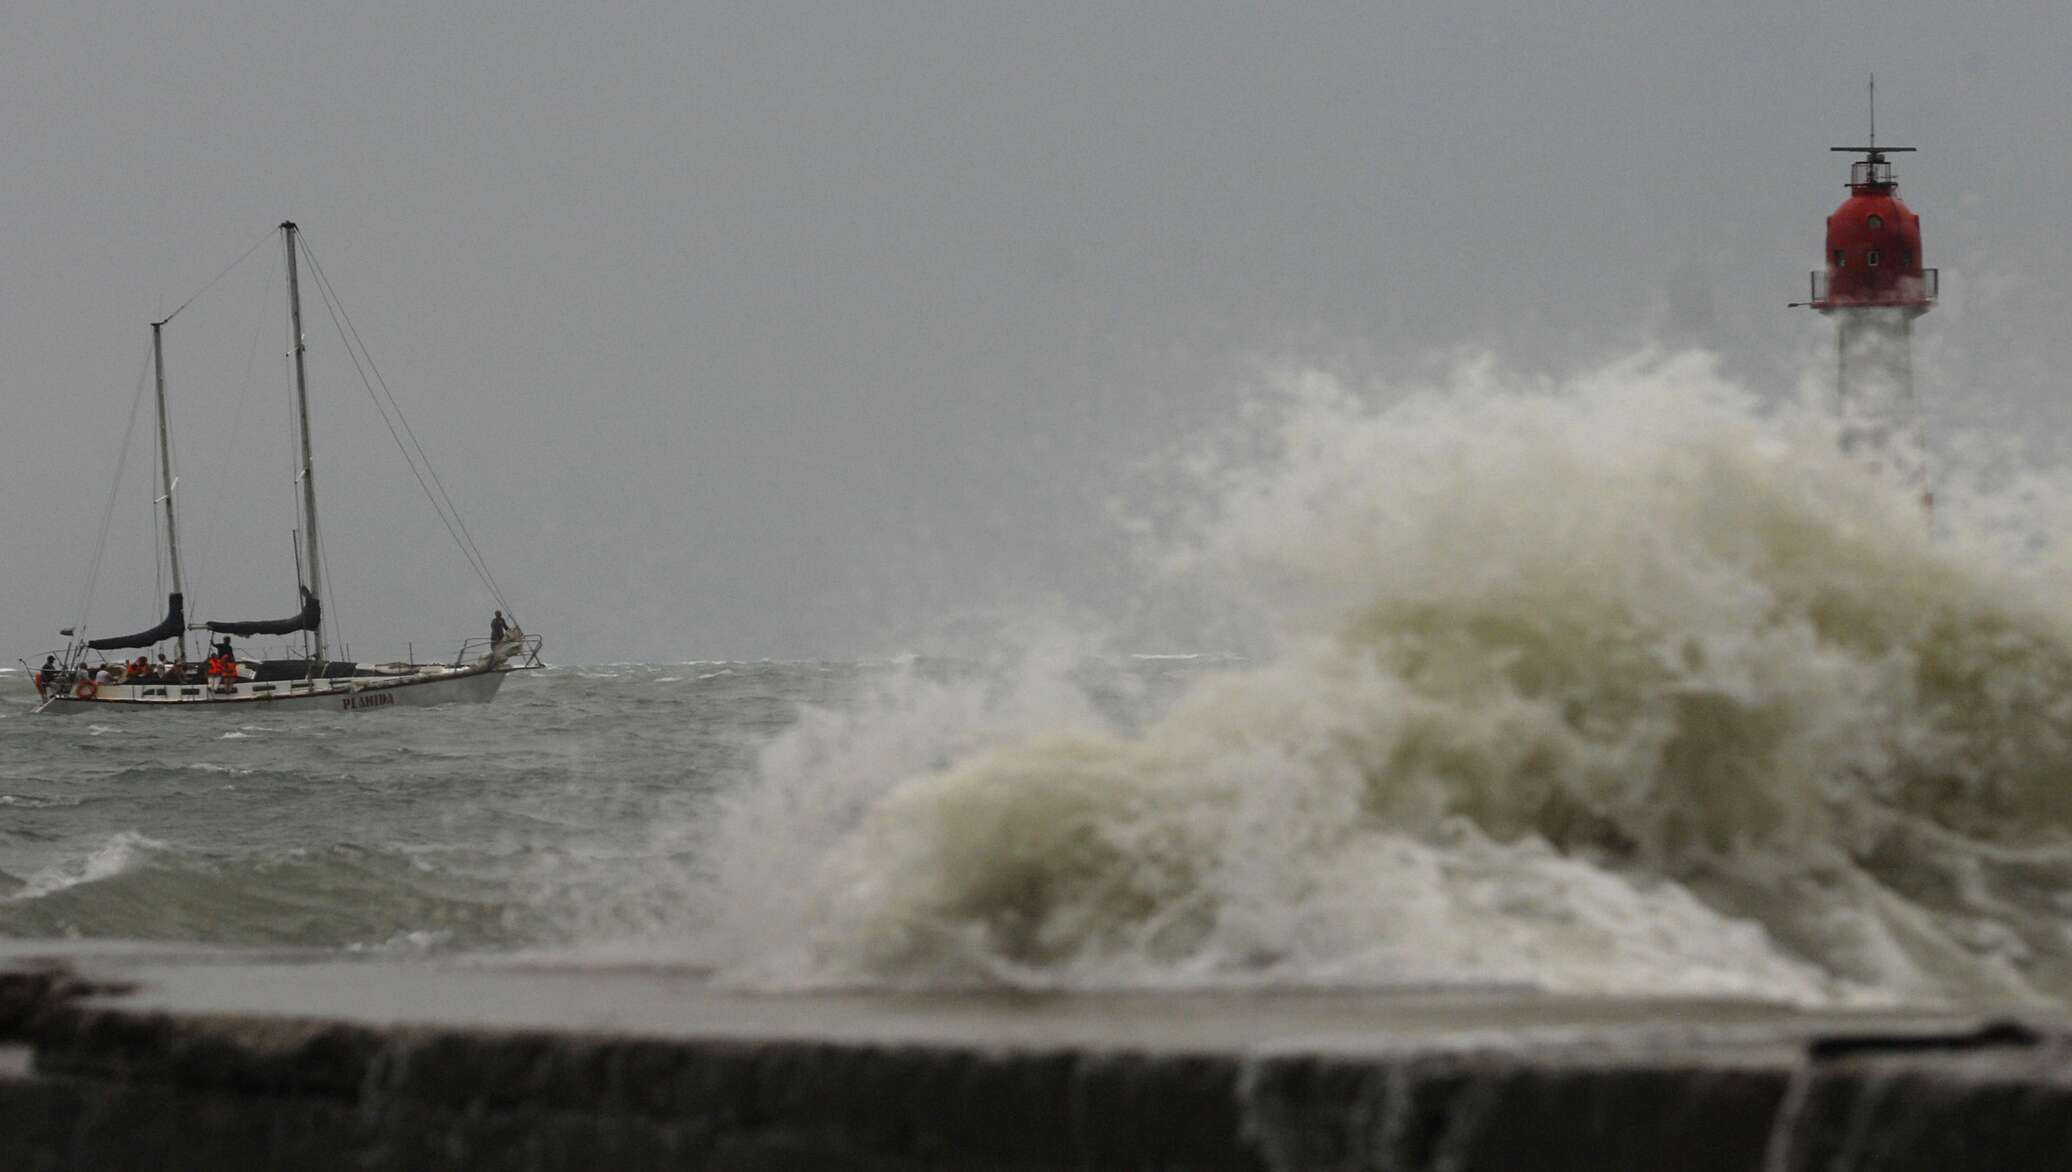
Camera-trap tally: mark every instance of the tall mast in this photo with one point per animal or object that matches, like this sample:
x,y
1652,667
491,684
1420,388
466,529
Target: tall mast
x,y
309,478
165,470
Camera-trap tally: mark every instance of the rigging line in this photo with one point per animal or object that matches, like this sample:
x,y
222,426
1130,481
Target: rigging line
x,y
466,538
422,456
329,297
114,488
173,460
297,421
335,617
159,558
93,571
219,276
463,539
330,307
292,429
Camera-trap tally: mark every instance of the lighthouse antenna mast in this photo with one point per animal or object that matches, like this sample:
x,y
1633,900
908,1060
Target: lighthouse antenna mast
x,y
1873,153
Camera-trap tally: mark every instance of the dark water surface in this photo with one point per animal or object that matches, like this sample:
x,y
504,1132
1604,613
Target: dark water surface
x,y
514,823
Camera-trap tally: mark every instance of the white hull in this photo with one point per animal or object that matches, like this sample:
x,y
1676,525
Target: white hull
x,y
465,680
422,690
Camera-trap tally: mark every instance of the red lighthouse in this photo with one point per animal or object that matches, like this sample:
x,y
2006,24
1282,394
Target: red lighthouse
x,y
1873,285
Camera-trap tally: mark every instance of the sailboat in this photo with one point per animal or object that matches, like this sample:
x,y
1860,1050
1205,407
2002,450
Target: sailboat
x,y
71,681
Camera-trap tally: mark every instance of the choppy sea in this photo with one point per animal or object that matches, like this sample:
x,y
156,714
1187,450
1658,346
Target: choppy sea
x,y
463,827
1624,684
568,813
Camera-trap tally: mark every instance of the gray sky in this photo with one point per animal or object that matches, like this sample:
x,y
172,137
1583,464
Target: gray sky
x,y
788,329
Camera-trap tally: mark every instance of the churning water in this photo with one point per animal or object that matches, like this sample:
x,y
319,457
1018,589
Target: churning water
x,y
1620,684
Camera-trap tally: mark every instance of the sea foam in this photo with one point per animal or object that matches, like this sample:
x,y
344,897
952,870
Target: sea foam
x,y
1614,684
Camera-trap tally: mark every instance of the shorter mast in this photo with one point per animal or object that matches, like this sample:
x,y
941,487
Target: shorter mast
x,y
309,480
165,470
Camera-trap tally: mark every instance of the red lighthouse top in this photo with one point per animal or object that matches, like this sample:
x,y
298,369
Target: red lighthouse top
x,y
1874,242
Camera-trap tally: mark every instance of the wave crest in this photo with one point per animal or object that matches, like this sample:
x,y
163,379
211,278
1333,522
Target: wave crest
x,y
1617,685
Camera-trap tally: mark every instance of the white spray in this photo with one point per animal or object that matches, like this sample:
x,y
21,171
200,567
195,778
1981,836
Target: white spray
x,y
1616,685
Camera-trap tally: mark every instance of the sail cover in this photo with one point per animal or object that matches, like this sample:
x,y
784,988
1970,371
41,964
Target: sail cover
x,y
312,613
175,619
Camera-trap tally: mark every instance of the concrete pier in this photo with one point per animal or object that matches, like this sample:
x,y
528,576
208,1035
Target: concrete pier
x,y
130,1056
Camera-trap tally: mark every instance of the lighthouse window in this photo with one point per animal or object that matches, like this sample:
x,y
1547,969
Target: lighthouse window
x,y
1871,258
1839,259
1874,223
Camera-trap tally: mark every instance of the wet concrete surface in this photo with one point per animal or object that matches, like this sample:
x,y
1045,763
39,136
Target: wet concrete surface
x,y
116,1055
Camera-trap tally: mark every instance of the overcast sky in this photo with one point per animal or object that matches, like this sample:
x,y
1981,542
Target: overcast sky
x,y
788,330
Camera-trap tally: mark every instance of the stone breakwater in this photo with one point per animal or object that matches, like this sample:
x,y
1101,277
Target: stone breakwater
x,y
143,1056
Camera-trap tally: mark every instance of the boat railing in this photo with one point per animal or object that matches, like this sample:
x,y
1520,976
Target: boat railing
x,y
516,647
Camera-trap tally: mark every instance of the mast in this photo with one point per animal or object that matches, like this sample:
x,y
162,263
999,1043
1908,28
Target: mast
x,y
165,470
309,480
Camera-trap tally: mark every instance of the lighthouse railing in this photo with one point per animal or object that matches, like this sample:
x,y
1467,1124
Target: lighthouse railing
x,y
1910,290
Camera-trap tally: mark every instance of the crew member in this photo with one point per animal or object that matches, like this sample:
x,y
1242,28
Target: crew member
x,y
497,628
222,669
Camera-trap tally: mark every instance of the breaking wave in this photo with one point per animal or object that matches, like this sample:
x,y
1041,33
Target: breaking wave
x,y
1619,684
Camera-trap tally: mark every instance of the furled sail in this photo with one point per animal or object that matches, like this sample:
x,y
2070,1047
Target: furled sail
x,y
312,613
175,619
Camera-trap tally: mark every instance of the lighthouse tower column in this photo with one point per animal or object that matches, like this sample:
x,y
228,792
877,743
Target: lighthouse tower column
x,y
1873,285
1874,383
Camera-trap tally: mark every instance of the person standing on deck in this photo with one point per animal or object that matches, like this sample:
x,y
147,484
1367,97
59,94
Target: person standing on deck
x,y
226,665
497,628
